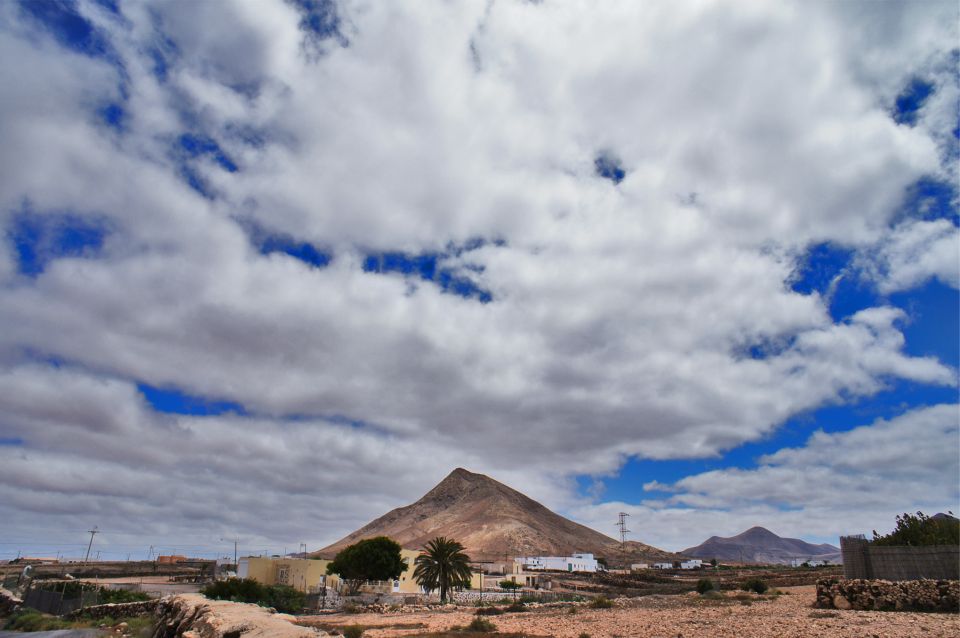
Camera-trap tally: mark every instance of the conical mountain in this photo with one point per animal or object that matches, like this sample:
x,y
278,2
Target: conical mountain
x,y
760,545
493,522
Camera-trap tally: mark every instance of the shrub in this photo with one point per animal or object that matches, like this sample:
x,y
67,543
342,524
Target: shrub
x,y
572,610
353,631
919,530
704,585
516,607
584,635
32,620
121,596
489,611
481,624
601,602
755,585
246,590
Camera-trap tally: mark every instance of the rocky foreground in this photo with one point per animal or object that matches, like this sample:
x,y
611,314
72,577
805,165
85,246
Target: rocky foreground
x,y
733,615
194,616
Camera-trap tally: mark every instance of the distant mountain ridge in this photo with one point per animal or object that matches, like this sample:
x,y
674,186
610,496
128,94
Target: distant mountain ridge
x,y
493,522
760,545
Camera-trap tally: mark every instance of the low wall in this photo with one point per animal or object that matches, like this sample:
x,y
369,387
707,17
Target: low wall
x,y
884,595
117,610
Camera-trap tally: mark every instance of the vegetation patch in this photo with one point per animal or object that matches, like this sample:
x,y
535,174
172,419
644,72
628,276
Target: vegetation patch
x,y
27,619
755,585
480,624
601,602
353,631
246,590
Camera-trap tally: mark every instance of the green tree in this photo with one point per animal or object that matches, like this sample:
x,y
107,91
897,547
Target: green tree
x,y
442,565
922,530
370,559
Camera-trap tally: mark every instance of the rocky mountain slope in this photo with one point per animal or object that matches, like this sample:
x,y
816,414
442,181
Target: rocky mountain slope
x,y
493,522
760,545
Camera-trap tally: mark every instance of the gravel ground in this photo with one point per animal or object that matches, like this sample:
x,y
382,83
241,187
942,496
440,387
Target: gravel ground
x,y
787,616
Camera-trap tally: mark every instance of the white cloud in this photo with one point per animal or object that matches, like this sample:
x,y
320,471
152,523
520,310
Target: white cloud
x,y
622,316
916,251
836,484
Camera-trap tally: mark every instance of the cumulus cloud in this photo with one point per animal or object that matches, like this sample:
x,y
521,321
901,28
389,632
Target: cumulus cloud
x,y
625,317
915,252
836,484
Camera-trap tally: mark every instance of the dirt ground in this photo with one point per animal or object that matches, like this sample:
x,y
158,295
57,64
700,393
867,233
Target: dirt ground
x,y
156,586
734,615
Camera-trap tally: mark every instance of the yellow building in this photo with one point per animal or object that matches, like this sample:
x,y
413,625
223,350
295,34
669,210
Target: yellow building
x,y
406,583
303,574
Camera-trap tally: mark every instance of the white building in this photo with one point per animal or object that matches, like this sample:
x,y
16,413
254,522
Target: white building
x,y
663,565
639,566
575,563
803,562
693,563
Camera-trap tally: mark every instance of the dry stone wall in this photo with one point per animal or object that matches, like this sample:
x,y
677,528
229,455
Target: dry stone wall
x,y
117,610
884,595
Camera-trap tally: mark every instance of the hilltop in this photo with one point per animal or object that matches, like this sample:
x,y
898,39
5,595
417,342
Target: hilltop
x,y
760,545
493,522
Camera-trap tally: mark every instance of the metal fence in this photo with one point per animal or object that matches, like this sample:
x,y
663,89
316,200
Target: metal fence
x,y
862,559
53,602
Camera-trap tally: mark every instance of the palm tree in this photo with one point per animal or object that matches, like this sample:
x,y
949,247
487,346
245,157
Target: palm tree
x,y
442,565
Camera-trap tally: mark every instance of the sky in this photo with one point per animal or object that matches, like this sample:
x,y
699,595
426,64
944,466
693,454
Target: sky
x,y
271,268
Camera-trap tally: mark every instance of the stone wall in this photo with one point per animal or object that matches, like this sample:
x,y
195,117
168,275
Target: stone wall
x,y
884,595
116,610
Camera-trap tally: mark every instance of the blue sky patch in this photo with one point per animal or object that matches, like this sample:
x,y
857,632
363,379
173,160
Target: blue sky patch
x,y
428,267
821,264
62,20
305,252
609,167
199,145
319,20
267,243
911,100
113,115
11,442
930,198
173,401
39,239
933,328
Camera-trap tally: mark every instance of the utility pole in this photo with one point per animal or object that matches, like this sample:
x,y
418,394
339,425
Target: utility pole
x,y
93,532
235,541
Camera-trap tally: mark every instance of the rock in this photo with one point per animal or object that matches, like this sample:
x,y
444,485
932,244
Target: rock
x,y
840,602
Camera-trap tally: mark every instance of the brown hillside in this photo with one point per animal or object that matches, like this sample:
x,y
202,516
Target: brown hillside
x,y
493,522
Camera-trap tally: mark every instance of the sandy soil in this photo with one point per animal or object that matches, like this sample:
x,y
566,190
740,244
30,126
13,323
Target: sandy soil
x,y
787,616
154,585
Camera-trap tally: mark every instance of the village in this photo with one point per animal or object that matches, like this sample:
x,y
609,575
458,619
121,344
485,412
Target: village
x,y
393,578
